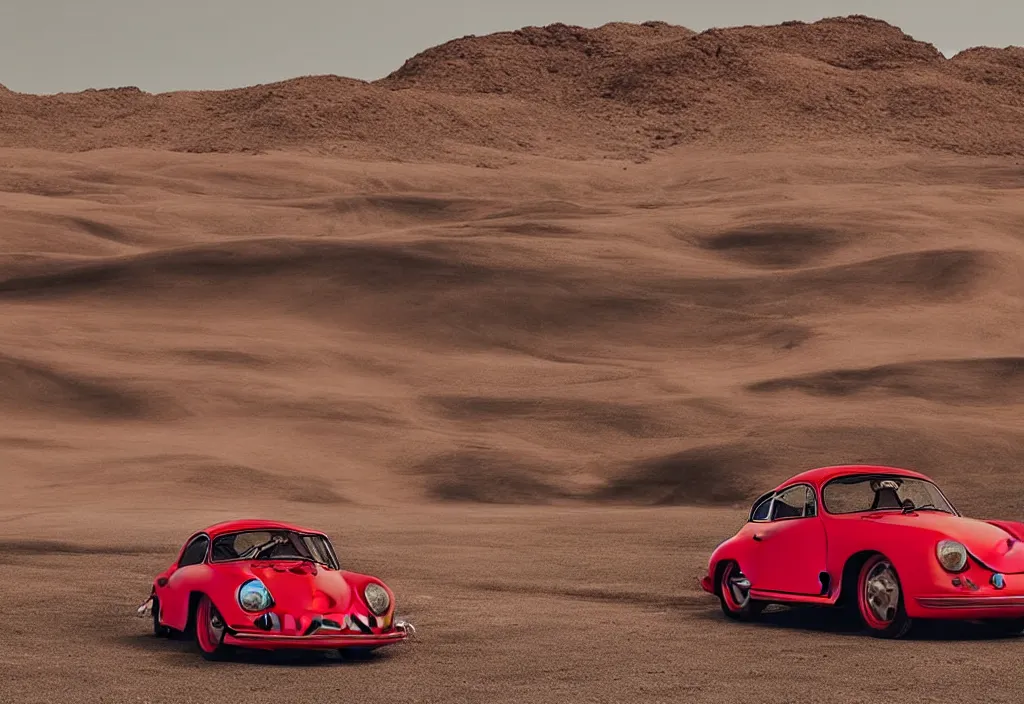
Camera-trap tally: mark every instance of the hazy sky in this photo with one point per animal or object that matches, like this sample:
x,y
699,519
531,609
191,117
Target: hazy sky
x,y
47,46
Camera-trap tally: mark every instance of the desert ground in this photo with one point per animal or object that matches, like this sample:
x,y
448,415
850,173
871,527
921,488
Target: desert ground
x,y
525,359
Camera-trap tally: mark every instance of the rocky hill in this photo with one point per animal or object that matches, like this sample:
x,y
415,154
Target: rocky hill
x,y
571,92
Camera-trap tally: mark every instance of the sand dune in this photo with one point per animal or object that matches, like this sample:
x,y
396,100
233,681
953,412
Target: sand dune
x,y
533,343
528,322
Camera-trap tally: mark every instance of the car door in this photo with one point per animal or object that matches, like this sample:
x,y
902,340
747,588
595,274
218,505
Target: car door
x,y
174,594
790,556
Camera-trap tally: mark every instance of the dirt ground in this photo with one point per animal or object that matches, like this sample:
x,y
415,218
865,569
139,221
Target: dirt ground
x,y
511,604
532,399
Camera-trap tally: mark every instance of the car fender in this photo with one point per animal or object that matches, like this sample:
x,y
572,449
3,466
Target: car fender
x,y
735,549
171,588
910,549
1014,528
184,585
358,582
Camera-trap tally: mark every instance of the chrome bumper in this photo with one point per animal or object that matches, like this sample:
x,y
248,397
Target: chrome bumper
x,y
969,602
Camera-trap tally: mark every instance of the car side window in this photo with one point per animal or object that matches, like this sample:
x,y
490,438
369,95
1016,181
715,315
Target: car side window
x,y
195,552
812,505
793,502
760,511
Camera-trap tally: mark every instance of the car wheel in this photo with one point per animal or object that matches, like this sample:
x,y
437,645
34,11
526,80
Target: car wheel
x,y
880,599
210,630
734,593
159,630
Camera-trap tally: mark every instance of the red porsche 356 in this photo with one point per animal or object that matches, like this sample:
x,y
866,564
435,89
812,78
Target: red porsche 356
x,y
269,585
883,542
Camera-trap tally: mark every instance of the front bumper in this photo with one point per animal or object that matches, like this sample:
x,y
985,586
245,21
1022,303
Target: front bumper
x,y
276,630
261,640
312,632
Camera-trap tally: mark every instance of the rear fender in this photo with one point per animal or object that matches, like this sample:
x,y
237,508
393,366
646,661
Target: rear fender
x,y
173,601
734,549
177,594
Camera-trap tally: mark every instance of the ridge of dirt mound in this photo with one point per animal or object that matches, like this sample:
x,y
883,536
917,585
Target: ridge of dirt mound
x,y
734,473
1003,68
35,387
621,90
486,476
855,42
363,264
716,475
774,245
996,380
533,60
1012,56
32,546
550,61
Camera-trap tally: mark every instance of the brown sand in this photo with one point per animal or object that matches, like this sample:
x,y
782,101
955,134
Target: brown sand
x,y
532,396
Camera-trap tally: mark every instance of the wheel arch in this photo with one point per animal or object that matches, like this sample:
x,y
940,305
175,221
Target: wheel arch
x,y
851,571
193,605
719,569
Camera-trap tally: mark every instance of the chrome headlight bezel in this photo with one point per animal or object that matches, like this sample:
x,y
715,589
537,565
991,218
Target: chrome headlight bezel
x,y
377,598
952,555
256,588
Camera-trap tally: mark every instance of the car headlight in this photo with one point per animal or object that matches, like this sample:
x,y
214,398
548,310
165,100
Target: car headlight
x,y
254,596
377,598
952,555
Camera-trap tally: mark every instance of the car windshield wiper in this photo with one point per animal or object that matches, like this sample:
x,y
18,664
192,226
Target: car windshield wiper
x,y
923,507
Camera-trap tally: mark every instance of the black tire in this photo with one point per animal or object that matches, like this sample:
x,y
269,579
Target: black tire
x,y
735,600
878,586
209,630
846,607
159,630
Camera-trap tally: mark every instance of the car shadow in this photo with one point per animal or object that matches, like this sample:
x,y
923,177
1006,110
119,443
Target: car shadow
x,y
183,647
831,620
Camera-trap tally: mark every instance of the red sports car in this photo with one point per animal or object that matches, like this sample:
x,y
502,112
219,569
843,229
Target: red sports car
x,y
268,585
885,544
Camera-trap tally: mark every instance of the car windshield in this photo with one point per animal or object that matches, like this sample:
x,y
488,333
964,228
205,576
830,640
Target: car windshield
x,y
883,493
273,545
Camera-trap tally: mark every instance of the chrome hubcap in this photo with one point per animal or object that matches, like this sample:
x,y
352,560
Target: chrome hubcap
x,y
215,626
882,591
739,587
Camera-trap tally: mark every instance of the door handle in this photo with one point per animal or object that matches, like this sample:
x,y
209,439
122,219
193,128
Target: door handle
x,y
759,537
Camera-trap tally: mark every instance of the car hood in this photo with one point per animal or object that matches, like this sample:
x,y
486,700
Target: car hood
x,y
990,544
299,585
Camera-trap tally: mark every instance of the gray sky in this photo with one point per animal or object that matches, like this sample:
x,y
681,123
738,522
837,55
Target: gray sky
x,y
47,46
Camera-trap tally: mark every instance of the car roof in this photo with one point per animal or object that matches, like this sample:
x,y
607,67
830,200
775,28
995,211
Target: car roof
x,y
819,475
252,524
